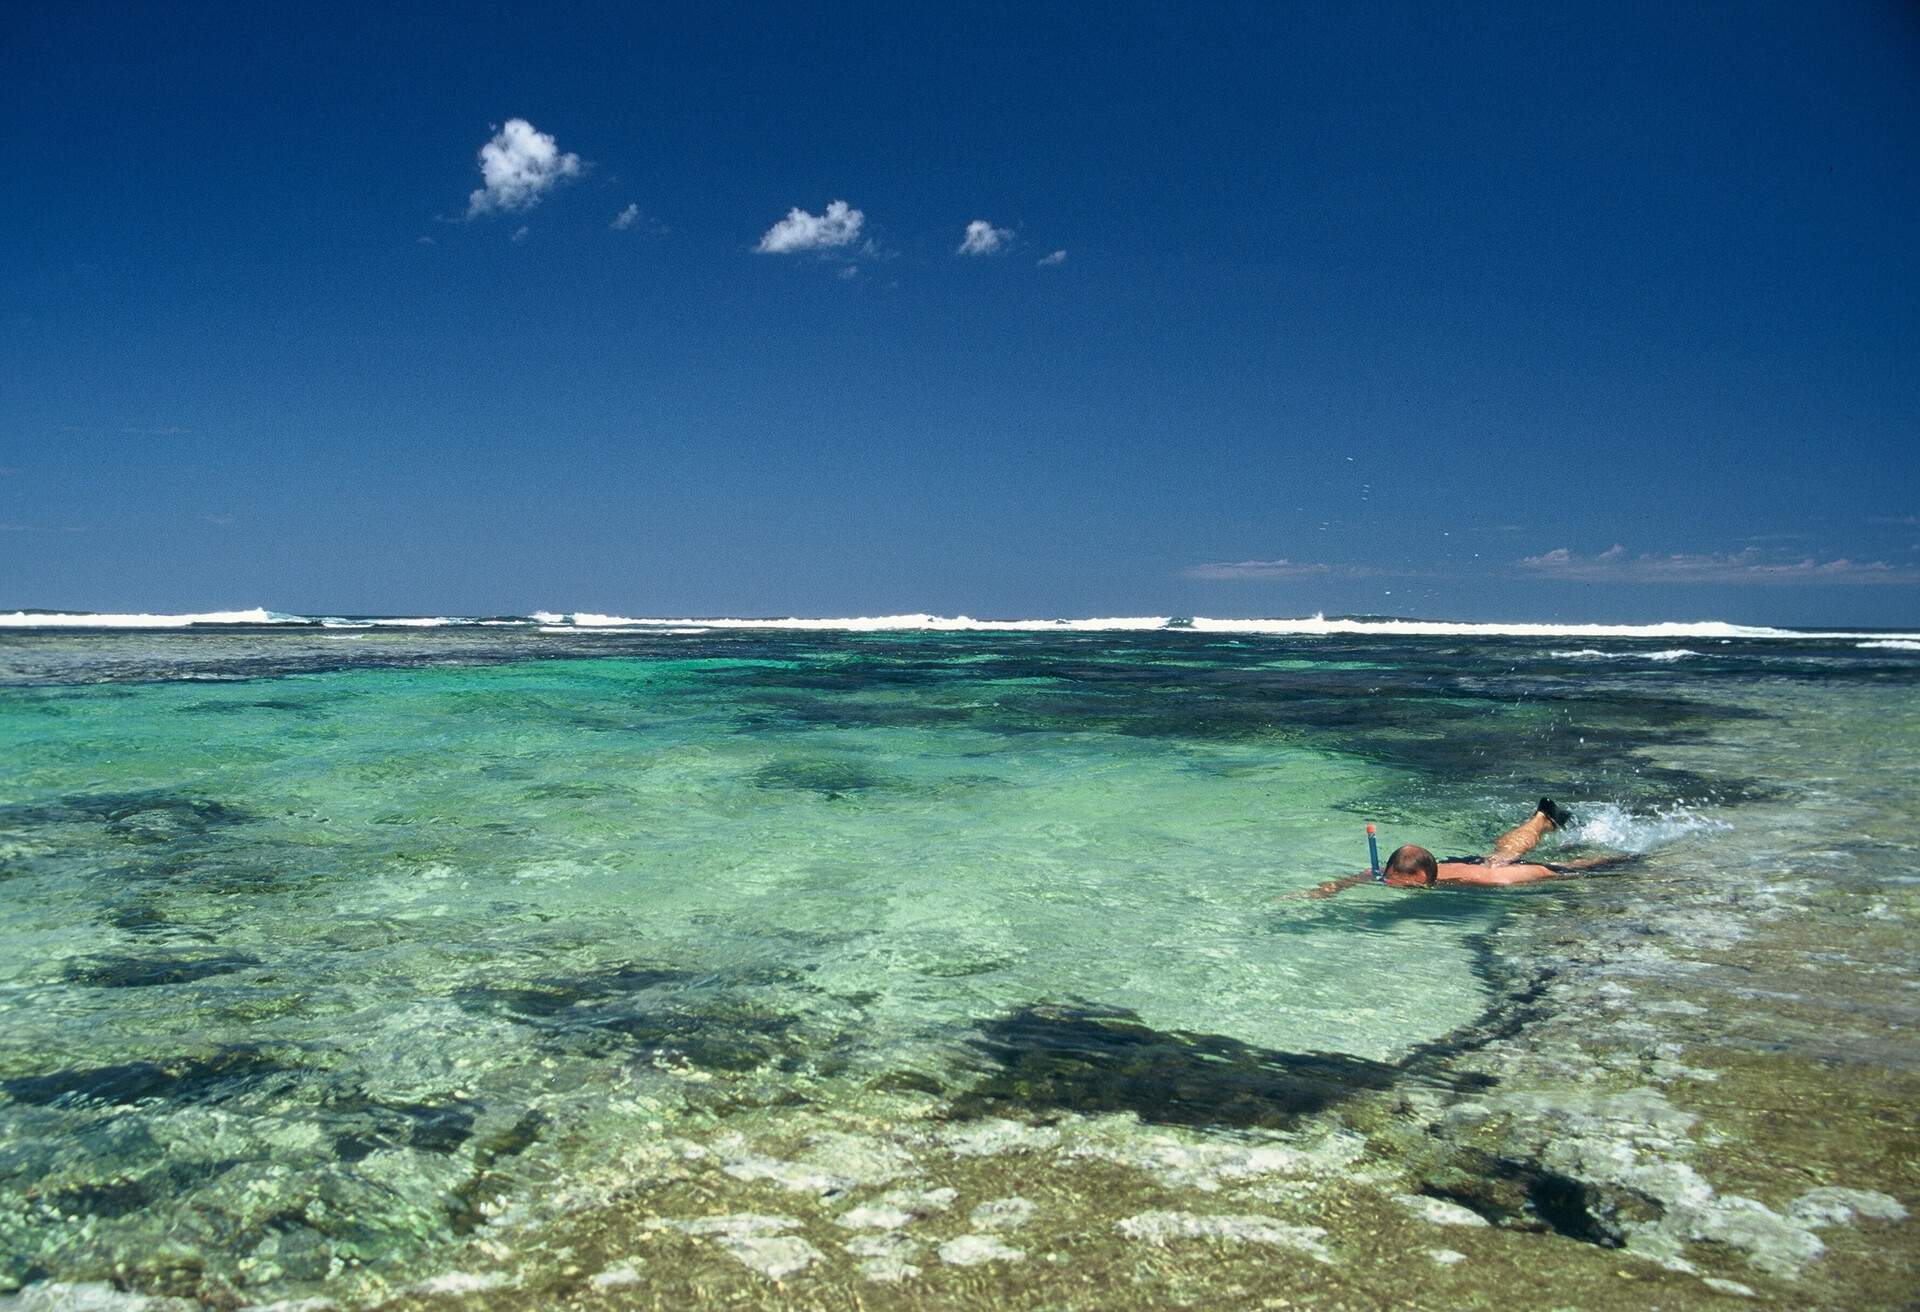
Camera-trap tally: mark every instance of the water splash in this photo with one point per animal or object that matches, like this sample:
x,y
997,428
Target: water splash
x,y
1609,825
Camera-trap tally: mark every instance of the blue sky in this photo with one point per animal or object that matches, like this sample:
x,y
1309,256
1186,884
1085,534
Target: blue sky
x,y
1510,311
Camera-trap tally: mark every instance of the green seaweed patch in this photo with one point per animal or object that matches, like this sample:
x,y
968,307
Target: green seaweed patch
x,y
624,1013
1524,1195
366,1124
305,709
576,791
830,777
858,713
731,1038
152,816
128,972
123,1192
557,996
1048,1059
463,1204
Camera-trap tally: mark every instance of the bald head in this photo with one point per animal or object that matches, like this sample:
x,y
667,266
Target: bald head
x,y
1413,864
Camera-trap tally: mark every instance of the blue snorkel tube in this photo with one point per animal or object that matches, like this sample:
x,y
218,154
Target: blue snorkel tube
x,y
1373,857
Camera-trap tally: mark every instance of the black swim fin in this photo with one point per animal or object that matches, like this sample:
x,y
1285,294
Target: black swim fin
x,y
1558,815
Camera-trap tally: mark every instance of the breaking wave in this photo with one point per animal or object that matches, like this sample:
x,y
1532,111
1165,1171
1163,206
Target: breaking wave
x,y
1311,626
1594,653
47,619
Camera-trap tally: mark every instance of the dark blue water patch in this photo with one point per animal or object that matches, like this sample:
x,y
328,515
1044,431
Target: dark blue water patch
x,y
130,972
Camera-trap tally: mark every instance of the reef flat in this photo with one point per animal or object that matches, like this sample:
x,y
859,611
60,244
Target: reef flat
x,y
830,971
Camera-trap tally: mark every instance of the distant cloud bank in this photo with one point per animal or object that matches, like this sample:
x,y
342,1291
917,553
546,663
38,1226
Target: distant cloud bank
x,y
800,231
1615,565
982,238
519,166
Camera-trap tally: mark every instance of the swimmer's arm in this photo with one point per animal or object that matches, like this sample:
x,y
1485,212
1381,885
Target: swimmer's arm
x,y
1524,872
1328,889
1595,862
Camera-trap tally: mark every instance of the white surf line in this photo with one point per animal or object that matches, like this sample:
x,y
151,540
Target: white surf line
x,y
1309,626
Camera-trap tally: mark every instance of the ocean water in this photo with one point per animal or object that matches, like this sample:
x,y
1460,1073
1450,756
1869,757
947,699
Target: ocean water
x,y
328,946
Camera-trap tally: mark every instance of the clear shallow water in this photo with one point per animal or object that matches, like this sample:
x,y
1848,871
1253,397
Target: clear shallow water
x,y
324,946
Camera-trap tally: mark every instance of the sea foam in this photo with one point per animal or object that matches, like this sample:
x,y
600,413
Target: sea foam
x,y
1594,653
35,619
1605,824
1306,627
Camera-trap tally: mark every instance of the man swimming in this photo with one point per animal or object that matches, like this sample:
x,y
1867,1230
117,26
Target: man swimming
x,y
1415,867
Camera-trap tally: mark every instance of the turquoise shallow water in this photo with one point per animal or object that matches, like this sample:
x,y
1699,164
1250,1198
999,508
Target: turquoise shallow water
x,y
325,947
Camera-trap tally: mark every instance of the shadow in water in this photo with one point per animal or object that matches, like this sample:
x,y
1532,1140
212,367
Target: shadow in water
x,y
224,1073
125,972
1094,1060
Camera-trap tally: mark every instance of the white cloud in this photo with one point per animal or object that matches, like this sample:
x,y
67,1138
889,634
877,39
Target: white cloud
x,y
625,219
519,166
982,238
1752,566
851,272
1058,257
519,234
801,231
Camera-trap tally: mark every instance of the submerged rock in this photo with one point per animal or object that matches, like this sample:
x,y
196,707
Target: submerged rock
x,y
737,1226
1439,1211
616,1276
832,1164
901,1207
972,1250
93,1296
1833,1205
886,1256
773,1256
1163,1227
993,1136
1002,1214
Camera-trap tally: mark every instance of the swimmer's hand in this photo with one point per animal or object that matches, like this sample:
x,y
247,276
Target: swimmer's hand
x,y
1328,889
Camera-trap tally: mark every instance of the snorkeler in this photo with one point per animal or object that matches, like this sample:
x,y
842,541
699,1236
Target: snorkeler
x,y
1415,867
